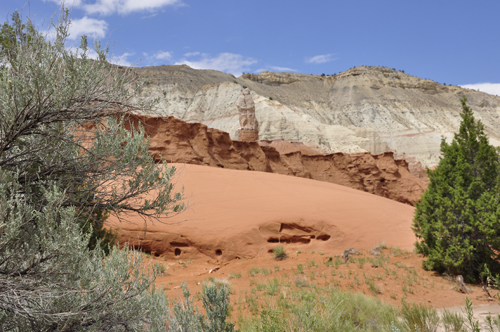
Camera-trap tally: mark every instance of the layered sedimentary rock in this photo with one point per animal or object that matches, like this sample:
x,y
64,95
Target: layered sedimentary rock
x,y
364,109
193,143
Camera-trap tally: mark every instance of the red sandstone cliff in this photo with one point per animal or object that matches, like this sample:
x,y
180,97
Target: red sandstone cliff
x,y
194,143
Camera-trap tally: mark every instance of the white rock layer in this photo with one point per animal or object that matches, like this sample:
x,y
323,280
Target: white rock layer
x,y
374,109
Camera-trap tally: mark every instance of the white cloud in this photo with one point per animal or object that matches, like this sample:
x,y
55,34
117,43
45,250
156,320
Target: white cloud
x,y
108,7
87,26
121,59
491,88
227,62
191,54
68,3
276,68
318,59
161,55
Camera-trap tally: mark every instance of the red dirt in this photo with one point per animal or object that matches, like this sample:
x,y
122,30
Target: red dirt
x,y
391,287
237,217
239,214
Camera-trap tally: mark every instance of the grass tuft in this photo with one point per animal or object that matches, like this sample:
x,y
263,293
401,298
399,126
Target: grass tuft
x,y
279,253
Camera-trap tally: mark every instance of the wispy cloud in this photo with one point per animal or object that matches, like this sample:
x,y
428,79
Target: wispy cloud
x,y
163,55
70,3
491,88
276,68
323,58
87,26
227,62
108,7
122,59
191,54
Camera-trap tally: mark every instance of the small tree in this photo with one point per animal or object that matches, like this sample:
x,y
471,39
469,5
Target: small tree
x,y
457,222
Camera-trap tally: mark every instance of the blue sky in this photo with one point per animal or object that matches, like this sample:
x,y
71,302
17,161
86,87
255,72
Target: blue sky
x,y
453,42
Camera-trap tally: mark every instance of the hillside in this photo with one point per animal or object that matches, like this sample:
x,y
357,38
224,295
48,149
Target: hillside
x,y
364,109
236,218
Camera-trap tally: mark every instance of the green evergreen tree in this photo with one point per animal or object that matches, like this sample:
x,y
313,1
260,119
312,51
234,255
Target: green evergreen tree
x,y
457,222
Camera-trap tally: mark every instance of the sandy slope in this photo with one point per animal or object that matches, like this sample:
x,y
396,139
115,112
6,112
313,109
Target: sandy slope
x,y
240,214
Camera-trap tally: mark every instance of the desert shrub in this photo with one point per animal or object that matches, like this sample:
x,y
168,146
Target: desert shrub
x,y
279,253
452,322
314,309
66,158
457,222
184,315
419,317
93,224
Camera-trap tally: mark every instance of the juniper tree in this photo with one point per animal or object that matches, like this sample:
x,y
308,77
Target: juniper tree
x,y
64,152
457,221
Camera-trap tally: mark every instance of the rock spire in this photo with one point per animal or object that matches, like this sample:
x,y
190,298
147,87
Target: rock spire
x,y
249,126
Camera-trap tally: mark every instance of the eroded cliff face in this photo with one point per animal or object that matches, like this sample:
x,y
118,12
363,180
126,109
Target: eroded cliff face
x,y
364,109
178,141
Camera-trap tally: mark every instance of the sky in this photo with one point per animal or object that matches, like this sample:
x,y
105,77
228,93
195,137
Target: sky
x,y
454,42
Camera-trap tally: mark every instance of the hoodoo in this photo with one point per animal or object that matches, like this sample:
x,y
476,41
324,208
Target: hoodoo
x,y
249,126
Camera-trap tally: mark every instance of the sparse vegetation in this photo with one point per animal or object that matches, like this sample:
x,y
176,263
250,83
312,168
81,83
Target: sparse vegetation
x,y
184,315
279,253
419,317
253,271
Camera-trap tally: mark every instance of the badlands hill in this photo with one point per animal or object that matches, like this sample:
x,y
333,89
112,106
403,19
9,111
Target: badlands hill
x,y
364,109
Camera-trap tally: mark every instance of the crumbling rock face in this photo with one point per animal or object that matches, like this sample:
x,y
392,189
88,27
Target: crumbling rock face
x,y
193,143
270,78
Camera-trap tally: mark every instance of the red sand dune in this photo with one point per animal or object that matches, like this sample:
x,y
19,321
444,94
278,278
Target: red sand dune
x,y
244,214
194,143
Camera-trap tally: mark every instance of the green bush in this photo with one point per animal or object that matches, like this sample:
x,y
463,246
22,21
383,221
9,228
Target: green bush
x,y
279,253
184,315
457,222
57,181
419,317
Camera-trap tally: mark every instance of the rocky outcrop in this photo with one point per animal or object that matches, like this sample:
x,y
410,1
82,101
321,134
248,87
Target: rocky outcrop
x,y
193,143
364,109
249,126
